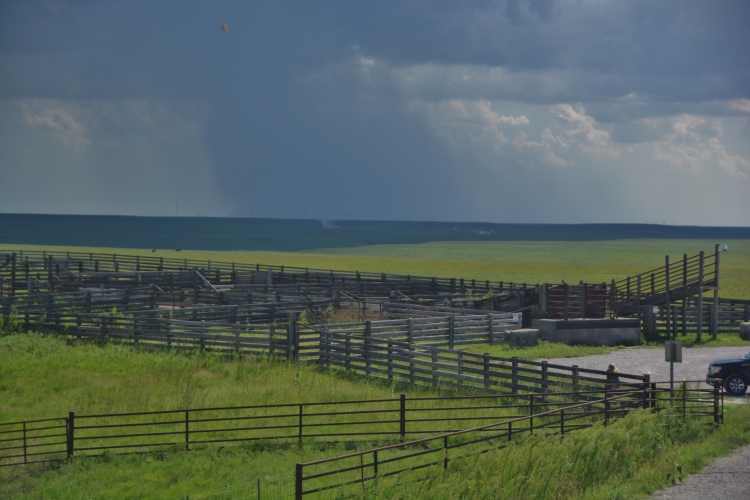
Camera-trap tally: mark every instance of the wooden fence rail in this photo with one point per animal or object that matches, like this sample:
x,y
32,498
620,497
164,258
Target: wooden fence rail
x,y
435,366
683,317
18,266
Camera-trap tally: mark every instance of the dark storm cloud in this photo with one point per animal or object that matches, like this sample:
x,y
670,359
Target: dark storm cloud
x,y
390,109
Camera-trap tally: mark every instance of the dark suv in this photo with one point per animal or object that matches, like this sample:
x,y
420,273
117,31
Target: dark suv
x,y
732,373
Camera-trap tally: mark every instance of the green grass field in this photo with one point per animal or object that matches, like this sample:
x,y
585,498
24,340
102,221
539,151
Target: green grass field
x,y
519,261
41,376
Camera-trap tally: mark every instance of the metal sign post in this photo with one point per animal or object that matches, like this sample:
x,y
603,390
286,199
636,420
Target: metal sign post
x,y
673,354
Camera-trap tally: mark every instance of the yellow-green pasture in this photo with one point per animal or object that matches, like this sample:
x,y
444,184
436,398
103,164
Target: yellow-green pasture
x,y
518,261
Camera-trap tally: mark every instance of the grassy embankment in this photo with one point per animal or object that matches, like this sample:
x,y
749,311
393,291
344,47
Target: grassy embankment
x,y
632,458
42,376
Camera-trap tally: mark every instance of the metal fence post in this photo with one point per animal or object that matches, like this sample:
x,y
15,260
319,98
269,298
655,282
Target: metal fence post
x,y
445,447
562,422
402,417
531,415
606,406
716,404
298,482
187,429
300,424
71,433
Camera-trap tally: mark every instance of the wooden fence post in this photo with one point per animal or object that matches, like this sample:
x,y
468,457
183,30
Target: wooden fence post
x,y
490,330
434,366
451,330
486,370
667,305
545,376
460,367
715,308
348,349
514,374
367,342
700,298
412,354
390,361
290,341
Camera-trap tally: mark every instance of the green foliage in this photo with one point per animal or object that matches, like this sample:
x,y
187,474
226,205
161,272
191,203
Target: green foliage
x,y
14,324
317,316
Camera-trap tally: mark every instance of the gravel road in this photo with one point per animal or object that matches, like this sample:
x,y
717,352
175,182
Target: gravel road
x,y
728,477
638,361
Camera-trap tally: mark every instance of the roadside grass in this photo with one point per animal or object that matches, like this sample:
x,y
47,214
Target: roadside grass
x,y
518,261
632,458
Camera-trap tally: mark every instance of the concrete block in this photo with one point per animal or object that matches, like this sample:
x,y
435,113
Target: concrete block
x,y
610,332
745,331
525,337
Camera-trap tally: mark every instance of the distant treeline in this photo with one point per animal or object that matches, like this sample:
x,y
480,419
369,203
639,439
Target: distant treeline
x,y
211,233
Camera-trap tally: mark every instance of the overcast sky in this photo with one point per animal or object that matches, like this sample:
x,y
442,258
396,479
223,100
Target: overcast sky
x,y
564,111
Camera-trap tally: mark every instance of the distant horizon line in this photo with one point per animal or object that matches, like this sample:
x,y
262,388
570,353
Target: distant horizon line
x,y
657,224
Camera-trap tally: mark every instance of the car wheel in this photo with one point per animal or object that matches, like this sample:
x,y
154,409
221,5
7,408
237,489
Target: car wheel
x,y
736,385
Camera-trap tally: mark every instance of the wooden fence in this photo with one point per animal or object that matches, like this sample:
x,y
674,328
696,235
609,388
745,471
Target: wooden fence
x,y
405,310
17,267
439,451
267,329
435,366
671,282
684,317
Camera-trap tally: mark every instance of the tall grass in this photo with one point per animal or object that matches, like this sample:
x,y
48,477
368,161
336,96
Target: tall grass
x,y
629,459
43,376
